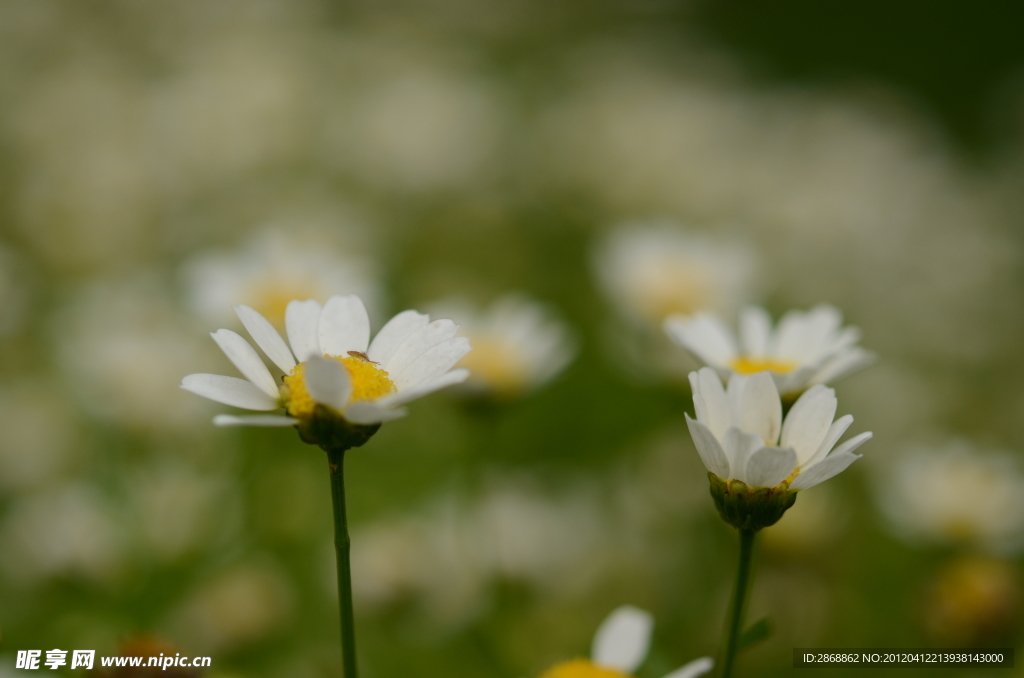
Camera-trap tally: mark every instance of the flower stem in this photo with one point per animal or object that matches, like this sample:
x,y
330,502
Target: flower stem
x,y
342,548
739,597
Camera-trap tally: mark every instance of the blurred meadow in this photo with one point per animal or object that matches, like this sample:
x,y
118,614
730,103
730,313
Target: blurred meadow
x,y
565,171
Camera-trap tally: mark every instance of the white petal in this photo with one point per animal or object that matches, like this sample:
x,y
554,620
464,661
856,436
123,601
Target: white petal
x,y
755,331
709,449
830,466
835,432
704,335
328,382
253,420
344,325
302,321
698,667
709,401
247,360
417,343
394,332
266,337
738,447
454,377
846,362
622,640
808,422
367,412
769,466
756,405
434,362
229,391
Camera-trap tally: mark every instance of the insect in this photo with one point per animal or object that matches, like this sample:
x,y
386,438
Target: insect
x,y
360,354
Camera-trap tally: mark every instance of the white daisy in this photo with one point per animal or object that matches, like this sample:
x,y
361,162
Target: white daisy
x,y
652,271
804,349
619,647
270,270
740,434
518,344
332,368
956,494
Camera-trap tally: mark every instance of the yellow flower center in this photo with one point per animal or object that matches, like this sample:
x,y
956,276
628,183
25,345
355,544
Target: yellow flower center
x,y
746,364
580,668
369,382
664,289
271,297
498,365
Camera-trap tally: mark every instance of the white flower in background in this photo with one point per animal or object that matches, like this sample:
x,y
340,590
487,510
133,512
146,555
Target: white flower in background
x,y
244,605
67,529
740,435
270,270
651,272
956,494
805,348
518,344
620,647
124,345
337,365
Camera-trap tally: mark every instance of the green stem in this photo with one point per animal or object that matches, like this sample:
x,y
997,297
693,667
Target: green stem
x,y
739,597
342,548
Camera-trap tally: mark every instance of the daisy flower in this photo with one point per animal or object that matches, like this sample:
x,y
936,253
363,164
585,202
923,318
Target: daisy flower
x,y
619,647
956,494
333,373
270,270
650,272
804,349
747,447
518,344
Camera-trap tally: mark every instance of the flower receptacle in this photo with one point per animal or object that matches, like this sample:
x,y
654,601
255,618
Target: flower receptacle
x,y
331,431
750,508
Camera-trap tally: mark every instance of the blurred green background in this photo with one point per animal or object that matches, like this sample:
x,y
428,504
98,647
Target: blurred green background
x,y
867,155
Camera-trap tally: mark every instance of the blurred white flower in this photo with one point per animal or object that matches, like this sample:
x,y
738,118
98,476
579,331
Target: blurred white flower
x,y
619,648
64,530
806,348
518,344
650,271
243,605
170,505
338,366
740,435
955,493
272,268
37,433
123,345
443,557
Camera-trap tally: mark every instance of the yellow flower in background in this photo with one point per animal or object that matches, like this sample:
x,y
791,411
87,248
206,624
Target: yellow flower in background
x,y
272,269
619,648
956,494
804,349
331,368
652,271
518,344
756,459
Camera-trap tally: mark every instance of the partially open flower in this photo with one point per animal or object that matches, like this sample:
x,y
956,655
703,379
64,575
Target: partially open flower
x,y
338,386
756,460
619,648
804,349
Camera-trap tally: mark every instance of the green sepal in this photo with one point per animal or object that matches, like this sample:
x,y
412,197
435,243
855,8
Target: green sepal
x,y
758,632
750,508
331,431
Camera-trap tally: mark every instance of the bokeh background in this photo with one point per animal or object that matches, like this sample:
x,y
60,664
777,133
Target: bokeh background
x,y
163,160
